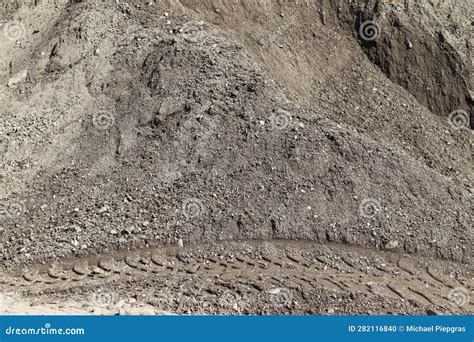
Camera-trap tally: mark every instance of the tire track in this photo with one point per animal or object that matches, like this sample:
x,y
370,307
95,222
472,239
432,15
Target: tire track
x,y
294,265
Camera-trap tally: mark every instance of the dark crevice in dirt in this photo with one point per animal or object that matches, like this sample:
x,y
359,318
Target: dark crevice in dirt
x,y
437,83
426,66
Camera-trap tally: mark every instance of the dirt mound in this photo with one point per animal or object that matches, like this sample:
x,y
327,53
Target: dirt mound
x,y
138,124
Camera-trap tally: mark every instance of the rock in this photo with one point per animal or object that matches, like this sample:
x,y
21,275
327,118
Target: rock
x,y
392,244
171,106
120,304
274,291
17,78
190,40
113,232
103,209
127,231
431,312
180,243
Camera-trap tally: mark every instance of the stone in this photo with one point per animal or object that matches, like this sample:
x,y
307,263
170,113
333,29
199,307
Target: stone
x,y
392,244
17,78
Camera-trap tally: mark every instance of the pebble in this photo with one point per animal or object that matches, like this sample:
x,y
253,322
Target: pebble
x,y
103,209
274,291
391,244
17,78
431,312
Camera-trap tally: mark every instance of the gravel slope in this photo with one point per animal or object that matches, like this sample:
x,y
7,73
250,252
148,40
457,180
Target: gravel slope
x,y
134,124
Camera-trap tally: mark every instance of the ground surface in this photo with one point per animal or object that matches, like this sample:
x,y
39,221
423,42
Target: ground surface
x,y
128,126
251,277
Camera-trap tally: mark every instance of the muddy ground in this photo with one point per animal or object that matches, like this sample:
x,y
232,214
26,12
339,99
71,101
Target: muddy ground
x,y
136,128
